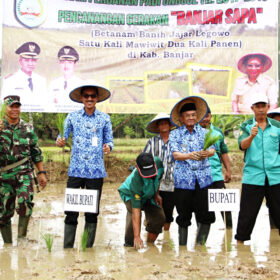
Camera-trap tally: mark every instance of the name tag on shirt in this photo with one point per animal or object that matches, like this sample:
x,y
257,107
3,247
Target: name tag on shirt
x,y
94,141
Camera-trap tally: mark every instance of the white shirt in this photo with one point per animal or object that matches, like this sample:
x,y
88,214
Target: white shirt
x,y
244,91
59,100
31,100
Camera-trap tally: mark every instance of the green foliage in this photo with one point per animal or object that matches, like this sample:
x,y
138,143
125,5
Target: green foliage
x,y
210,139
46,156
60,118
129,131
232,144
138,123
84,240
171,244
49,240
131,125
44,124
228,123
2,110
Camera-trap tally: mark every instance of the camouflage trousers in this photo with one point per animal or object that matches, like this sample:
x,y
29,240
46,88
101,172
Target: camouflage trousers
x,y
15,185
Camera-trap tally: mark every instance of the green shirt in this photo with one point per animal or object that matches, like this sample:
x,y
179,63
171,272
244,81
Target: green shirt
x,y
262,158
140,190
215,161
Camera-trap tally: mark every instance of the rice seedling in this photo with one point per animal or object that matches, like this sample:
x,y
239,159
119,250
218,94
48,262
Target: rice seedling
x,y
48,240
2,110
210,139
203,244
229,248
47,156
171,244
60,118
84,240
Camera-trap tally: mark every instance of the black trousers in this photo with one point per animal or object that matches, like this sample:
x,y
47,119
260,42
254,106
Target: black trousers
x,y
90,184
251,200
168,204
188,201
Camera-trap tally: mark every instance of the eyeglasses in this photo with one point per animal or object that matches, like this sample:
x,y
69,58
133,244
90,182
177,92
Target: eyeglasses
x,y
86,96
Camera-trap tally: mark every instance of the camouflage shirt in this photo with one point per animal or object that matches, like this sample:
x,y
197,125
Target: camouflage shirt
x,y
17,142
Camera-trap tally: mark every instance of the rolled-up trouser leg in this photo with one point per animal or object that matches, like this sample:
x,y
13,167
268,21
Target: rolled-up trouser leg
x,y
129,235
155,218
168,205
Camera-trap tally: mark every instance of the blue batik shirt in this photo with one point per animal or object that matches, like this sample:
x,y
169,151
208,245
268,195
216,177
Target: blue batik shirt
x,y
89,134
186,172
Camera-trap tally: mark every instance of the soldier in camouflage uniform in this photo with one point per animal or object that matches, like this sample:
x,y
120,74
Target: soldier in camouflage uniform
x,y
18,147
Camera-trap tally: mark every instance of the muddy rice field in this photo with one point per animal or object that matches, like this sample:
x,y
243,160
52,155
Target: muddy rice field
x,y
219,258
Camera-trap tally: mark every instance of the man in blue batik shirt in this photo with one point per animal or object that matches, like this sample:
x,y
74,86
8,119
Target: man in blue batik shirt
x,y
92,138
192,172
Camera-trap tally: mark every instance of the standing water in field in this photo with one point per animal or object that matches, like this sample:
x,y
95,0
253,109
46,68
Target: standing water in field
x,y
109,259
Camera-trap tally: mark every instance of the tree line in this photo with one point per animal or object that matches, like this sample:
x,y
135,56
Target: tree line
x,y
125,125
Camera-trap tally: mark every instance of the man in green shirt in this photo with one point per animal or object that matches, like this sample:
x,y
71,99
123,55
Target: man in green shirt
x,y
259,138
216,161
140,192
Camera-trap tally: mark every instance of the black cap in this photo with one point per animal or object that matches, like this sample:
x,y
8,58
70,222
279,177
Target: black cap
x,y
28,50
68,53
188,107
12,99
146,165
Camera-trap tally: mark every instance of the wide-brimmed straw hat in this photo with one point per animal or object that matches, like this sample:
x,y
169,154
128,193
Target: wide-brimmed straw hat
x,y
102,92
200,104
152,126
265,60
